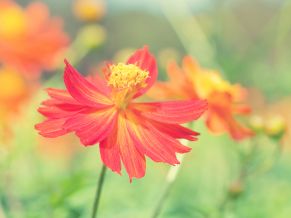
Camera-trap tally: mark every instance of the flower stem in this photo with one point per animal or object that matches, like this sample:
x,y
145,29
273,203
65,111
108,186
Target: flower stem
x,y
171,177
98,192
2,214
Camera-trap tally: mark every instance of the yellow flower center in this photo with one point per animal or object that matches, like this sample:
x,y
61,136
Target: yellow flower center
x,y
209,82
12,21
127,76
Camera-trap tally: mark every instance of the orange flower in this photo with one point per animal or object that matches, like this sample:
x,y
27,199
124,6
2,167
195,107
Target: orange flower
x,y
105,112
29,39
224,99
14,91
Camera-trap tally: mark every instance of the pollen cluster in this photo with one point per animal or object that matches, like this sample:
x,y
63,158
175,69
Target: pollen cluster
x,y
127,76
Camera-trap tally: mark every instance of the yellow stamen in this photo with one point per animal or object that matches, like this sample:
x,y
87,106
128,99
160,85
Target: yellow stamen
x,y
127,76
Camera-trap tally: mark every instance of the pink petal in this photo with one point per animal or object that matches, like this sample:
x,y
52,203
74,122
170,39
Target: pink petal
x,y
92,127
51,128
53,112
153,147
63,106
109,152
150,141
146,61
61,95
100,83
172,111
176,131
60,105
82,90
134,161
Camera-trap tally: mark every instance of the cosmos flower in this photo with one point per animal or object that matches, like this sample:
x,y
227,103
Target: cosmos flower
x,y
225,100
30,39
104,111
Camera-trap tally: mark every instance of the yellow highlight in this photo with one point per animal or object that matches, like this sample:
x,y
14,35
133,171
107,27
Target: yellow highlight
x,y
12,84
89,10
12,20
127,76
275,126
208,82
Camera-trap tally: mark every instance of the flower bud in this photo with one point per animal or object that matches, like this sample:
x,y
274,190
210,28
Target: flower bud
x,y
236,188
89,10
275,126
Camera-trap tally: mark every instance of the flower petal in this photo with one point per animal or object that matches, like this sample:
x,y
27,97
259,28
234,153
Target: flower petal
x,y
92,127
221,122
146,61
156,145
100,83
176,131
52,128
134,161
110,153
220,117
172,111
38,14
62,100
82,90
60,105
61,95
53,112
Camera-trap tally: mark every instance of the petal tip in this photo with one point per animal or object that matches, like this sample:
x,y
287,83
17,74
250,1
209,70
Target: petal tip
x,y
66,62
146,48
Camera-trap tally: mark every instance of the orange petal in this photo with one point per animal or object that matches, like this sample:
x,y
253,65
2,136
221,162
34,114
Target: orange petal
x,y
220,117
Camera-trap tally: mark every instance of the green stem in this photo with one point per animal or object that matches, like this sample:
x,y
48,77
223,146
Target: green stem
x,y
161,202
243,174
2,214
98,192
171,177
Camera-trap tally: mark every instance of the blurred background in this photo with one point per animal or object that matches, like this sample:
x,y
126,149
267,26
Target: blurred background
x,y
249,42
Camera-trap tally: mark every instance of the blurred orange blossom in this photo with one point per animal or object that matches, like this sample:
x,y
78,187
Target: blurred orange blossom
x,y
14,91
104,111
225,100
30,40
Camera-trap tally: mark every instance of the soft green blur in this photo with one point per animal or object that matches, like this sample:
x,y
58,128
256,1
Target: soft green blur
x,y
248,41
